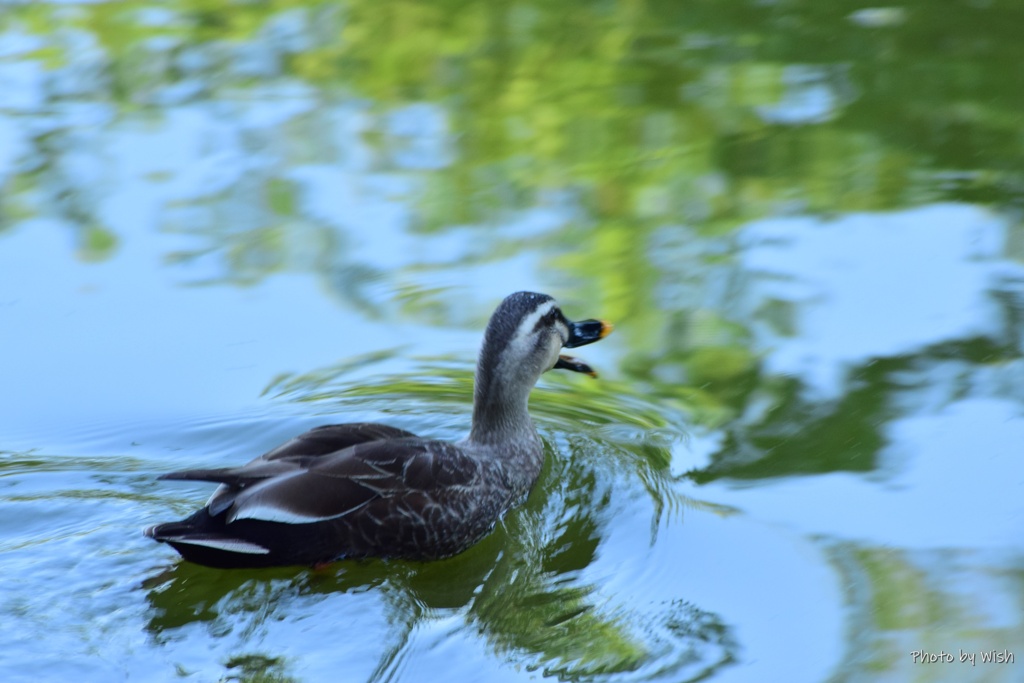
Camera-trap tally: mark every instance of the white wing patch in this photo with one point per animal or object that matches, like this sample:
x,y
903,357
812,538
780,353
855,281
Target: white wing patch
x,y
231,545
263,501
272,513
221,500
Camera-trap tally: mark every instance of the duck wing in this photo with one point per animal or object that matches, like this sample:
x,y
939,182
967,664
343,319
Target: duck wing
x,y
409,469
404,497
291,457
332,438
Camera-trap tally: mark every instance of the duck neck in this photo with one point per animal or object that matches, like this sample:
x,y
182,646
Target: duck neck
x,y
500,409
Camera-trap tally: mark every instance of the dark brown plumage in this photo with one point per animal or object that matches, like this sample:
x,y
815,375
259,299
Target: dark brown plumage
x,y
370,490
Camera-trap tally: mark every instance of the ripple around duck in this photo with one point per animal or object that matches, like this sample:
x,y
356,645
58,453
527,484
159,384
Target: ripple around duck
x,y
449,381
533,590
639,431
555,605
533,595
537,593
438,396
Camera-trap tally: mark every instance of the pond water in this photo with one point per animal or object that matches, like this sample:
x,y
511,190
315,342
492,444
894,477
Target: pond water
x,y
222,224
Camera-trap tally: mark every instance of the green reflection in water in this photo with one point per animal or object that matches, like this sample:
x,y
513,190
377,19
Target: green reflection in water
x,y
892,592
521,588
710,114
256,668
640,118
649,128
448,385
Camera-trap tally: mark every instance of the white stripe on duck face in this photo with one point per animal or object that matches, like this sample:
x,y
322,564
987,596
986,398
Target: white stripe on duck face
x,y
525,328
523,345
520,346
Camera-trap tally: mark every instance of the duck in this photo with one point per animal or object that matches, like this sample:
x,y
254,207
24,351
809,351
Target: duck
x,y
365,490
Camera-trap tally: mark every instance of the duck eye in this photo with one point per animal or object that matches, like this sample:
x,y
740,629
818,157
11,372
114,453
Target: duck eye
x,y
547,320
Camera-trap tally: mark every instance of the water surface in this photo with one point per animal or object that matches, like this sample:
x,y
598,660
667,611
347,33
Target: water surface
x,y
221,225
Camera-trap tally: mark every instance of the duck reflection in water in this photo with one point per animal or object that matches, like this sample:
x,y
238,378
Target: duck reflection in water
x,y
523,588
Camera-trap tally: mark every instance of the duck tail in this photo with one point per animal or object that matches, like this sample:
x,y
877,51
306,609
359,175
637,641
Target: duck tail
x,y
209,547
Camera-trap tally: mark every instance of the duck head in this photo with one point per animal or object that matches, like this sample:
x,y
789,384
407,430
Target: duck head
x,y
524,339
527,333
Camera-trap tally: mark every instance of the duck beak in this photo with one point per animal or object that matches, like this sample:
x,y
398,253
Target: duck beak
x,y
587,332
580,334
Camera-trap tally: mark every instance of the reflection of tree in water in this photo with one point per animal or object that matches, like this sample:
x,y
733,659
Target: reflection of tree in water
x,y
847,434
524,589
255,668
537,600
641,114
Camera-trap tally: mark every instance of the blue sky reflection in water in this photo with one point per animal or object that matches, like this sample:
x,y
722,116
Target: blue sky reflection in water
x,y
220,226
